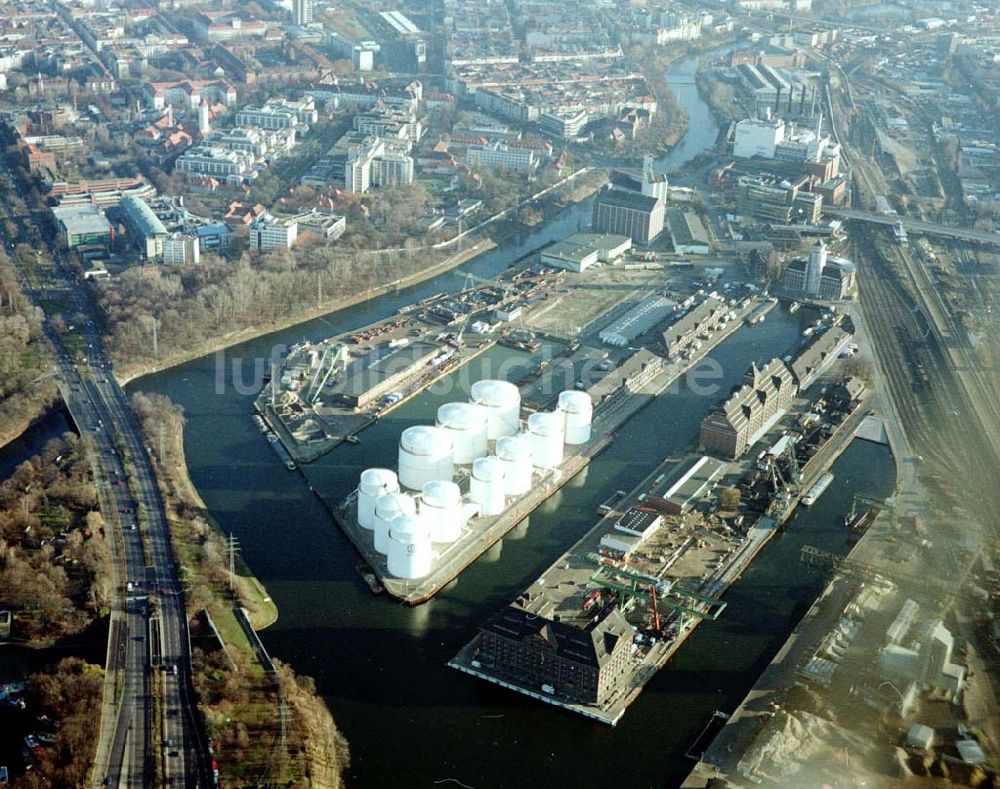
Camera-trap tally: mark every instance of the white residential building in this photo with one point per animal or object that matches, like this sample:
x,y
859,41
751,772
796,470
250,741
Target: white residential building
x,y
499,155
268,232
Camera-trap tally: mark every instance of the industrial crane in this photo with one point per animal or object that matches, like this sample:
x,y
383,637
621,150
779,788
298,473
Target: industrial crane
x,y
888,504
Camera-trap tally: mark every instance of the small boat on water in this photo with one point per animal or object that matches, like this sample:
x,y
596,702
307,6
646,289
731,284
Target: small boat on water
x,y
817,490
794,307
368,576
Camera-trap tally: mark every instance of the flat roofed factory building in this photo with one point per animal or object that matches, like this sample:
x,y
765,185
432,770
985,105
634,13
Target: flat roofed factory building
x,y
376,374
583,250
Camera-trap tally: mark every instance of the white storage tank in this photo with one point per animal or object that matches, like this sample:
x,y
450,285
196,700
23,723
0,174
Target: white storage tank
x,y
410,554
425,453
547,430
375,482
515,454
387,509
579,414
466,424
502,401
487,486
441,507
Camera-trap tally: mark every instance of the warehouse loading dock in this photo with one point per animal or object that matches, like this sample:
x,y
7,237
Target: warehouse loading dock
x,y
375,375
693,484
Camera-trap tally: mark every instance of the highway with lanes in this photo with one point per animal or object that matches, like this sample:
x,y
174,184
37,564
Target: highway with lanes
x,y
150,732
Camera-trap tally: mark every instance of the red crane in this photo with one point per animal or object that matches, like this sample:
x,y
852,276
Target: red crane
x,y
656,612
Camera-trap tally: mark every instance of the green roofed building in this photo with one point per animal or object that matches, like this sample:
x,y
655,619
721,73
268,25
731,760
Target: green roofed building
x,y
82,224
144,227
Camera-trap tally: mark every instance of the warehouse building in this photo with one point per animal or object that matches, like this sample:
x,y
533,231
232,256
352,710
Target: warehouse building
x,y
750,412
377,374
637,321
638,216
710,315
77,225
817,358
580,664
688,233
693,484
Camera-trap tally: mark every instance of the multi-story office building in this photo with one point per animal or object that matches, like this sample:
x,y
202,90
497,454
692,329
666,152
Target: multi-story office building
x,y
358,167
565,125
392,169
179,248
216,162
750,412
302,12
268,232
82,224
625,213
144,227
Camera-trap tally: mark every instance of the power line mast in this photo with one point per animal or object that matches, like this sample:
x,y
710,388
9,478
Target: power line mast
x,y
232,546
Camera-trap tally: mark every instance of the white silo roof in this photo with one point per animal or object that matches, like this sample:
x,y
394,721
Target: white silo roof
x,y
425,440
494,393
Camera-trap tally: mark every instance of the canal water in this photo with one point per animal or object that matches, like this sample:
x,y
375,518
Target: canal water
x,y
702,126
410,720
381,666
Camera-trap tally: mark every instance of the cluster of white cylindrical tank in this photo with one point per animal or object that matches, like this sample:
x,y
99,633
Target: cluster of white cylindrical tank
x,y
515,454
502,401
467,426
442,509
375,482
487,486
547,431
410,553
426,454
578,410
387,509
427,458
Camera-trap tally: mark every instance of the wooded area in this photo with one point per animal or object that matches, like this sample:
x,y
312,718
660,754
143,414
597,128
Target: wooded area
x,y
54,559
24,357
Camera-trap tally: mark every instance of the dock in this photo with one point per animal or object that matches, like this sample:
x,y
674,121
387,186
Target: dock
x,y
479,535
691,592
482,533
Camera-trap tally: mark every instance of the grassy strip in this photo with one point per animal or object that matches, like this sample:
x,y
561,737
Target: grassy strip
x,y
241,702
